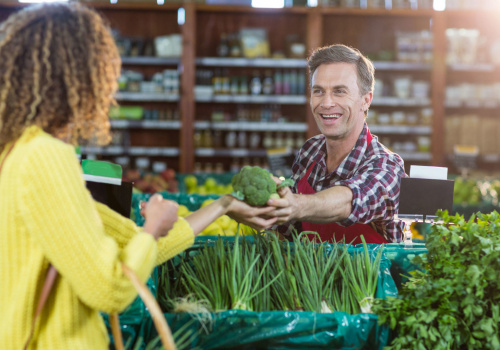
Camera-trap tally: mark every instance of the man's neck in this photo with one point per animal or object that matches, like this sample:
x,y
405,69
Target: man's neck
x,y
337,150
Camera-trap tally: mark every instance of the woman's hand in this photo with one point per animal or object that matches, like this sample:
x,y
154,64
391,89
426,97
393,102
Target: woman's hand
x,y
160,215
255,217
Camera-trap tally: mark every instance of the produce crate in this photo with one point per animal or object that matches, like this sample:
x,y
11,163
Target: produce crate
x,y
284,329
191,201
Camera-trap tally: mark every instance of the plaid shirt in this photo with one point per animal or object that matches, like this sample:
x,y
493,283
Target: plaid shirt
x,y
372,172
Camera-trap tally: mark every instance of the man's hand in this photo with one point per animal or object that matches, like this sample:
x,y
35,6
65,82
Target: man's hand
x,y
255,217
286,207
160,215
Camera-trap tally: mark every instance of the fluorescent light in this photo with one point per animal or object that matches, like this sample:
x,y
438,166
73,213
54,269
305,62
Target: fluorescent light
x,y
39,1
268,3
181,16
160,2
439,5
113,1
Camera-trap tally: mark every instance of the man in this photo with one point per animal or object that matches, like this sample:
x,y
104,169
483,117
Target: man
x,y
346,182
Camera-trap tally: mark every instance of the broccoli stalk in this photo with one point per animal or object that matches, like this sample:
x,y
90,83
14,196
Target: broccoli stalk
x,y
254,185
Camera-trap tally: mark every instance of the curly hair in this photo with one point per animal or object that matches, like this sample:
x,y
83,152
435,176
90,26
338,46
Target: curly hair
x,y
59,67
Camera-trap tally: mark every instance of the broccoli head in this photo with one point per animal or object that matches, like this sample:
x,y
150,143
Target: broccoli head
x,y
254,185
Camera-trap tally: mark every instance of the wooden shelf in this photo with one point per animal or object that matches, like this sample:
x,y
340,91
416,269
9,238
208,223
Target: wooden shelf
x,y
146,96
376,12
145,124
251,10
132,151
476,67
204,23
151,61
234,152
400,102
278,99
251,62
401,129
401,66
415,156
252,126
471,104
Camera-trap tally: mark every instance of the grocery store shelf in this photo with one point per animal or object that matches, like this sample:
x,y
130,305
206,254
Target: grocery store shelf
x,y
251,62
278,99
401,129
395,101
133,151
491,158
390,65
252,126
415,156
143,96
234,152
146,124
151,61
471,104
476,67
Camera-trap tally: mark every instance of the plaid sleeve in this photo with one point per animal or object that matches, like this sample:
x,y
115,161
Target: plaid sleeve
x,y
375,191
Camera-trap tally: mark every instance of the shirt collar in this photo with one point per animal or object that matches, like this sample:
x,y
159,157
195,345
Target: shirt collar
x,y
353,159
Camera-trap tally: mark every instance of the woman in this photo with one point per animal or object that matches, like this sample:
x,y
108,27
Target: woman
x,y
58,74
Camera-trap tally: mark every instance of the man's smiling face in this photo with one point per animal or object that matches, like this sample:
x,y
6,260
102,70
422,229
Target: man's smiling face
x,y
336,102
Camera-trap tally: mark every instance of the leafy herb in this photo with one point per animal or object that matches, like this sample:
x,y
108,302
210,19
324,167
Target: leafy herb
x,y
455,303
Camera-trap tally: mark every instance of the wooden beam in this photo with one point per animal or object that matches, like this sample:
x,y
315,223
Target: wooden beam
x,y
187,102
313,41
438,88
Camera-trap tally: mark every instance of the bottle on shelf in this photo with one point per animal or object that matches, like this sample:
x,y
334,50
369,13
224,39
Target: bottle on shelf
x,y
235,165
225,82
255,84
244,86
242,139
234,89
286,83
278,82
267,84
294,86
223,48
235,47
231,139
254,140
206,139
197,168
219,168
217,82
197,139
268,141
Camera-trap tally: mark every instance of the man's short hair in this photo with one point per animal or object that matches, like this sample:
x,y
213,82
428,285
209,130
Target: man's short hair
x,y
339,53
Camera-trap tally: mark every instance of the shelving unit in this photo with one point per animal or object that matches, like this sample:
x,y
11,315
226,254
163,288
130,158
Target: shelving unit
x,y
370,30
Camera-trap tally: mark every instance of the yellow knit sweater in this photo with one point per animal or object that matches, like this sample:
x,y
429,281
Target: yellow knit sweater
x,y
47,215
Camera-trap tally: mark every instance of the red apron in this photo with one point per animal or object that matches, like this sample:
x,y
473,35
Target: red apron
x,y
332,231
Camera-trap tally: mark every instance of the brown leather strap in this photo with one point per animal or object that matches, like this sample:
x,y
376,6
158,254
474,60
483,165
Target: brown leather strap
x,y
47,287
116,331
6,155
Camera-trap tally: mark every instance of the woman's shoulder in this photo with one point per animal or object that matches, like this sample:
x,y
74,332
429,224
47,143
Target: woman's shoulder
x,y
36,140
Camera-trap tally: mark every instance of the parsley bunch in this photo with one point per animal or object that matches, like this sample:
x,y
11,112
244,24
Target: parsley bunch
x,y
455,303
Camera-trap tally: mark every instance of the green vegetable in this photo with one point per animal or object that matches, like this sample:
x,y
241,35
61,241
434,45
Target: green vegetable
x,y
455,303
254,185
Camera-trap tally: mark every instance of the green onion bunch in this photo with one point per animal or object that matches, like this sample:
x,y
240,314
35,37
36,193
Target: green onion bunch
x,y
262,273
